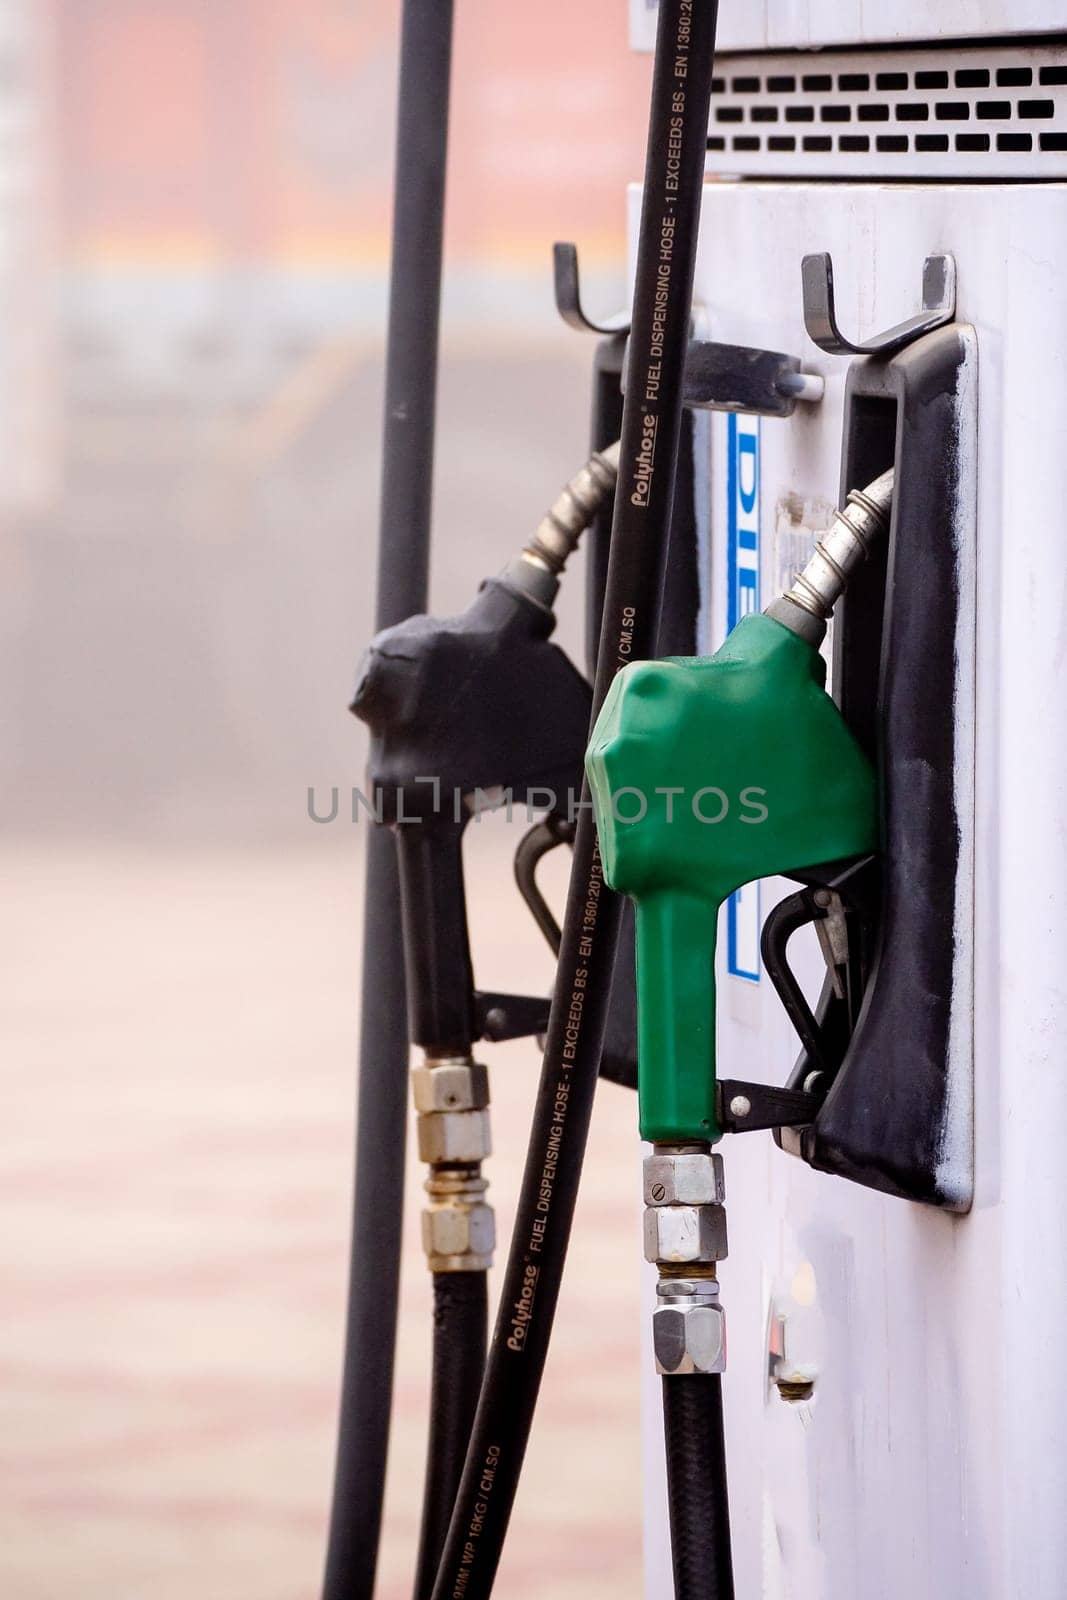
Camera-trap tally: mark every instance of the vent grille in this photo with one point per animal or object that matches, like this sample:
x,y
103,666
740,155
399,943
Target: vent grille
x,y
988,113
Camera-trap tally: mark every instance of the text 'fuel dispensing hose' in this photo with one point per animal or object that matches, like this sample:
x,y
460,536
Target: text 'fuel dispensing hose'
x,y
651,430
734,768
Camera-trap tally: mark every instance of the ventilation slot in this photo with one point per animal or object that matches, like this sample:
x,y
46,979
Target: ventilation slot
x,y
893,113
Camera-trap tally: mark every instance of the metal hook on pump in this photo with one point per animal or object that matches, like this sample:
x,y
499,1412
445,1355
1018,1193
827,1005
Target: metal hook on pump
x,y
820,314
569,296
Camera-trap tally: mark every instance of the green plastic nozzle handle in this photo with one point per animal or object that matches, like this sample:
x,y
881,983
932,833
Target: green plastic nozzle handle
x,y
708,773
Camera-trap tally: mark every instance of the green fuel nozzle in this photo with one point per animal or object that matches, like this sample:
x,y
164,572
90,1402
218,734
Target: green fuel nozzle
x,y
708,773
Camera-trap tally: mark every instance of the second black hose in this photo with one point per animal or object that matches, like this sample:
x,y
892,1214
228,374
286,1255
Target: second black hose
x,y
696,1487
460,1313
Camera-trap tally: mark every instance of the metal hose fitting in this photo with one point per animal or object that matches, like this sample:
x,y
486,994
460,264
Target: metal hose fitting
x,y
536,571
688,1327
458,1227
863,519
685,1235
451,1095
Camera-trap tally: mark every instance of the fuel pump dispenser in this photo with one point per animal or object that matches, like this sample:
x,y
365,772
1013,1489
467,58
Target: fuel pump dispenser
x,y
836,819
885,195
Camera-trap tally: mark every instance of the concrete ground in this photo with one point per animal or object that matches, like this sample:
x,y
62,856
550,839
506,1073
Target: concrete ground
x,y
179,1046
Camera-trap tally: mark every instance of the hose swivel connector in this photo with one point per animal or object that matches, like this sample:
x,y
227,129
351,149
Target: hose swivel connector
x,y
685,1235
863,519
451,1095
688,1327
458,1227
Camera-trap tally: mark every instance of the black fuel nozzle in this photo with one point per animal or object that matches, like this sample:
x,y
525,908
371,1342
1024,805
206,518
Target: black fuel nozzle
x,y
467,712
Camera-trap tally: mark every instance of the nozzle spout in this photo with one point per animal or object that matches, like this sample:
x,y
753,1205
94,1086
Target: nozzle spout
x,y
536,571
807,606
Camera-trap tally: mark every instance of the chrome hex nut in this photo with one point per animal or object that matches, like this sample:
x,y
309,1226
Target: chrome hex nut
x,y
684,1178
689,1337
459,1237
454,1136
685,1233
451,1086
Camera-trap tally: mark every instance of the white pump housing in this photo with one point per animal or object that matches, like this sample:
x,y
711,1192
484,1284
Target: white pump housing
x,y
931,1460
813,24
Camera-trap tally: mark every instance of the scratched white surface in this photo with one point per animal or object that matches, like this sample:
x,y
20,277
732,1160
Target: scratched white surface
x,y
932,1461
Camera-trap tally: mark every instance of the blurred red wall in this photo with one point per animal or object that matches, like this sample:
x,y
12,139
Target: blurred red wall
x,y
261,130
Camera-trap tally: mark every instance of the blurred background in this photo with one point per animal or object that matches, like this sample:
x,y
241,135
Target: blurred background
x,y
194,214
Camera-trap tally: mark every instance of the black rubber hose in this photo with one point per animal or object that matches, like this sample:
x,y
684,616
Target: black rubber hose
x,y
696,1487
403,564
414,310
460,1313
681,87
370,1330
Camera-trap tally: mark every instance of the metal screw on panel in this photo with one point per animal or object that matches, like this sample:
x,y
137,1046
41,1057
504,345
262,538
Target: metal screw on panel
x,y
658,1192
740,1105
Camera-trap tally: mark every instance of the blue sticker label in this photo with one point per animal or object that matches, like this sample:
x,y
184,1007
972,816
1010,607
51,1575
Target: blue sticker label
x,y
742,488
742,597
